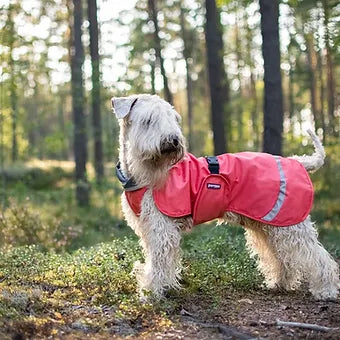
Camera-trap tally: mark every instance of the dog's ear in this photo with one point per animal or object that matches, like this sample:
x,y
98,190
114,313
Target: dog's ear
x,y
123,105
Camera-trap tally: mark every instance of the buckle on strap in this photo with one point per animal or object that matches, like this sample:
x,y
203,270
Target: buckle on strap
x,y
213,165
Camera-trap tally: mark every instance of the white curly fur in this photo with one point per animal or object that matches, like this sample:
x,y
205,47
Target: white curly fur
x,y
286,256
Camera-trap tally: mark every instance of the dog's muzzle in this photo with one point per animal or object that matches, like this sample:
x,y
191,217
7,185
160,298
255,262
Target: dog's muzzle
x,y
171,144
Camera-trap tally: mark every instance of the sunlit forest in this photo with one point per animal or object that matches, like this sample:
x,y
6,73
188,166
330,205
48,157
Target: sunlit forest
x,y
244,75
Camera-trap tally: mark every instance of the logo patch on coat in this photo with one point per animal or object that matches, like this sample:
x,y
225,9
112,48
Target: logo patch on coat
x,y
213,186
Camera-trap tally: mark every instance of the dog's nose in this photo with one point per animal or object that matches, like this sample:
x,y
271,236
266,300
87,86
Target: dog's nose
x,y
170,144
174,140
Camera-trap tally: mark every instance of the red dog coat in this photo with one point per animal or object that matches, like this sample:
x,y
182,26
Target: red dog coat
x,y
266,188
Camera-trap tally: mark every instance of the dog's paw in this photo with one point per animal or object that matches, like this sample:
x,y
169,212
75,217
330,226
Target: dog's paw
x,y
146,296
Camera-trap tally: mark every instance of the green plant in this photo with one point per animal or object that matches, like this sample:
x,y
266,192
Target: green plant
x,y
20,225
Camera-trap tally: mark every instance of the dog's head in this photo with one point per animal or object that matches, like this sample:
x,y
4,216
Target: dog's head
x,y
150,130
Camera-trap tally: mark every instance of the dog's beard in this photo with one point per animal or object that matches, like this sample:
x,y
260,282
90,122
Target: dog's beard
x,y
152,168
168,158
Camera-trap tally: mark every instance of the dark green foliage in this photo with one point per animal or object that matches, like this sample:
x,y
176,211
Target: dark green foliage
x,y
216,259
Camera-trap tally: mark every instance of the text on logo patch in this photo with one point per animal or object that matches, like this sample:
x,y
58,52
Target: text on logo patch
x,y
213,186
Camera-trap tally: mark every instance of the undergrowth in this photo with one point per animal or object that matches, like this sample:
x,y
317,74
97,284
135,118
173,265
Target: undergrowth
x,y
59,289
67,270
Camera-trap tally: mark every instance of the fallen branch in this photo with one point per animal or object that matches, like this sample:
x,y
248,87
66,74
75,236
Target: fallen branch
x,y
230,332
311,326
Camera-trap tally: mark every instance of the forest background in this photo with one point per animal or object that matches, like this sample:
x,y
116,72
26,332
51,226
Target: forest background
x,y
244,75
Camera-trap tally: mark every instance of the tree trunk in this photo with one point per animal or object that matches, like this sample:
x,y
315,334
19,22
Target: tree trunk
x,y
217,77
254,100
322,97
153,76
291,103
329,62
96,114
158,49
273,110
14,113
80,138
312,60
186,54
62,128
12,84
239,70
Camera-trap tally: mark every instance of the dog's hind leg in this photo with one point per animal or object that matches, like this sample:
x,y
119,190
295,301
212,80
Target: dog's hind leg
x,y
260,248
160,239
303,257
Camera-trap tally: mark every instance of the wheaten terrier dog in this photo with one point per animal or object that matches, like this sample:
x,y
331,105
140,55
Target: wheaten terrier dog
x,y
167,190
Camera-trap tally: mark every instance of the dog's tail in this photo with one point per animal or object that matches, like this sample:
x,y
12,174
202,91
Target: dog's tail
x,y
316,160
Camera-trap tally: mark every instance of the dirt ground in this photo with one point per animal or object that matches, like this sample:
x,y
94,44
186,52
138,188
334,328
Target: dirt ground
x,y
237,316
254,316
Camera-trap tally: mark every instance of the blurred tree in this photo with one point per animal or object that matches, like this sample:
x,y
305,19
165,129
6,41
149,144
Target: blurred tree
x,y
273,107
158,49
328,6
187,54
239,62
80,136
11,39
217,77
142,64
312,65
96,114
249,36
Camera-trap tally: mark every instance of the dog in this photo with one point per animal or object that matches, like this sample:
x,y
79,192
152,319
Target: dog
x,y
153,161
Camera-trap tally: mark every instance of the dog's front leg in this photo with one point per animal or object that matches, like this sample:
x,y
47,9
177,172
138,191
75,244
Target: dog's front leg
x,y
160,239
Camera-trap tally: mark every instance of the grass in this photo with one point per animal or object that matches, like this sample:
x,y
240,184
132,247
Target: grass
x,y
92,288
67,270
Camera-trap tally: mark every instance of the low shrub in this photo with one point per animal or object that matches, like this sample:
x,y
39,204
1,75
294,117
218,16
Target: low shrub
x,y
21,225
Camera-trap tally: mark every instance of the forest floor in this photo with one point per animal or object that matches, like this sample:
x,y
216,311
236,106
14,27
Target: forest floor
x,y
236,316
65,272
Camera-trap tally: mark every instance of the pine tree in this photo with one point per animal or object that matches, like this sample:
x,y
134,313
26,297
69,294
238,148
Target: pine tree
x,y
217,76
96,114
80,137
273,107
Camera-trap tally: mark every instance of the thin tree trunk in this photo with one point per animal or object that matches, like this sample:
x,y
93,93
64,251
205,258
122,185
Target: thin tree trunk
x,y
96,114
186,54
217,77
254,100
62,126
80,138
153,76
12,86
291,102
311,57
254,112
273,109
14,114
330,72
322,97
158,49
239,70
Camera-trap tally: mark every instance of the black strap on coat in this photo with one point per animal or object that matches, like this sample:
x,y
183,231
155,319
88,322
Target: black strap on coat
x,y
128,183
213,165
